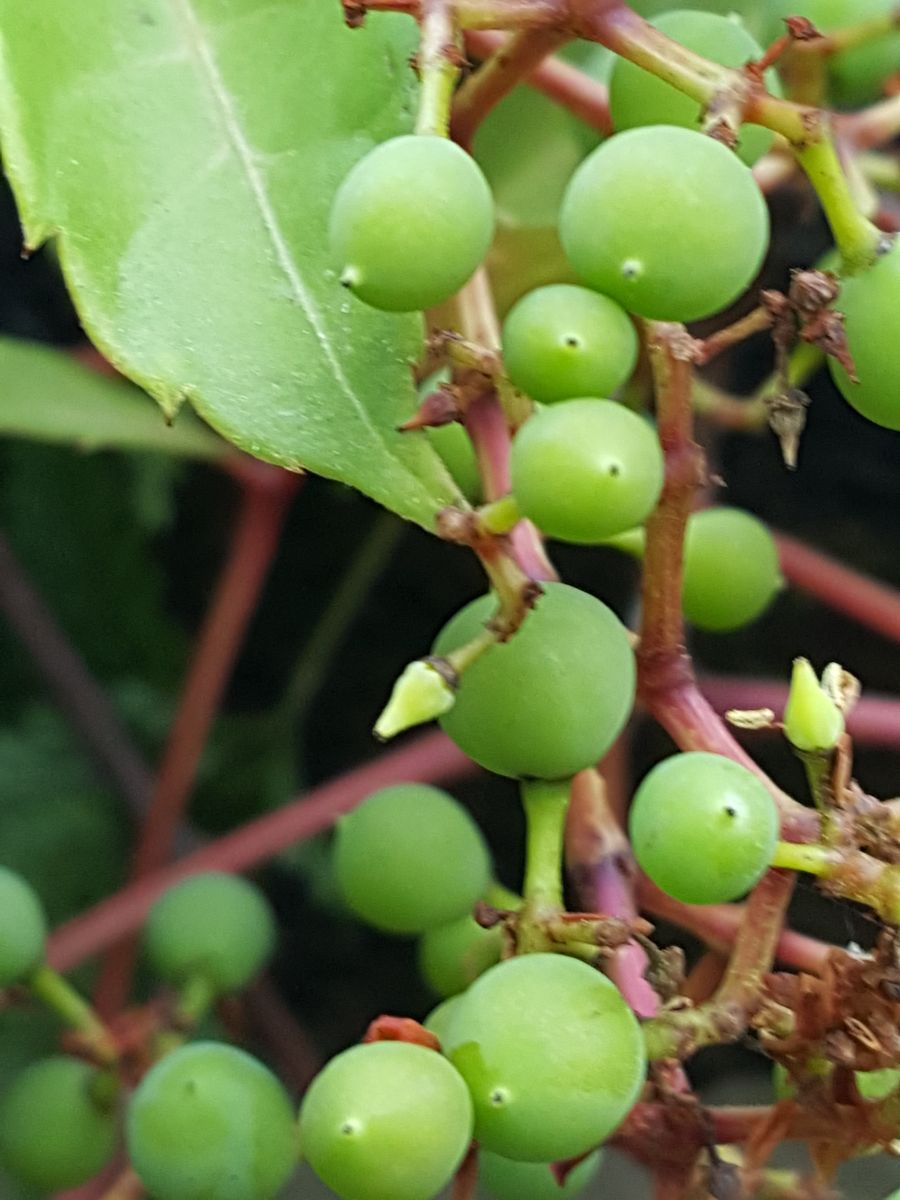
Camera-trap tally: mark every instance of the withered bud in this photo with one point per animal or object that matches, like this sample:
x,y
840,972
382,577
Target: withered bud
x,y
440,407
802,29
354,13
812,290
787,420
827,332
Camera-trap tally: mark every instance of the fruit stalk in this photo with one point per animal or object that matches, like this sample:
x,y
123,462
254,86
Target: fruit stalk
x,y
61,997
662,630
725,1017
515,60
546,805
439,60
487,426
584,97
601,869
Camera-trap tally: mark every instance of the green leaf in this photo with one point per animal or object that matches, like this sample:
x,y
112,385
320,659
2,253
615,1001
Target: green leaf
x,y
49,398
185,153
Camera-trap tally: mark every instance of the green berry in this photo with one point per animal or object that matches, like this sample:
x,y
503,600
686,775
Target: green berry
x,y
209,1122
411,222
386,1121
563,341
23,928
552,699
55,1130
438,1020
637,97
731,569
552,1055
452,956
703,828
666,221
214,925
870,302
506,1179
585,470
410,858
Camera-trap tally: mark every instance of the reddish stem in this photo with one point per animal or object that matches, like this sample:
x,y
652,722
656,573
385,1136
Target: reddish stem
x,y
559,81
875,720
432,758
465,1181
486,425
83,702
513,61
602,871
718,925
723,1018
265,498
875,605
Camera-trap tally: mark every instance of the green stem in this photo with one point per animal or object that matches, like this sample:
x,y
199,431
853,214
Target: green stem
x,y
60,997
546,804
502,897
195,998
881,171
500,516
794,856
858,240
440,56
632,541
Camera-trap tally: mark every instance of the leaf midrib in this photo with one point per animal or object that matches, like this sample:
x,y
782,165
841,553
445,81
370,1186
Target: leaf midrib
x,y
198,42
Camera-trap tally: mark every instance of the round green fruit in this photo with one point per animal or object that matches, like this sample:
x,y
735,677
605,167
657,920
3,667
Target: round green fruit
x,y
386,1121
637,97
453,955
506,1179
54,1134
216,926
552,1055
703,828
23,928
209,1121
563,341
870,302
551,700
585,470
731,569
438,1020
411,222
648,207
453,444
410,858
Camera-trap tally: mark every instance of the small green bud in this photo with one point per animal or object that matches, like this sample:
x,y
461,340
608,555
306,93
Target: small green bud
x,y
420,694
812,720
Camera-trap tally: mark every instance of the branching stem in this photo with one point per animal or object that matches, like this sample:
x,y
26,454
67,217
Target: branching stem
x,y
724,1018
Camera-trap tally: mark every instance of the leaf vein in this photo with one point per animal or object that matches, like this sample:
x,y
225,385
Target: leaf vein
x,y
248,157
